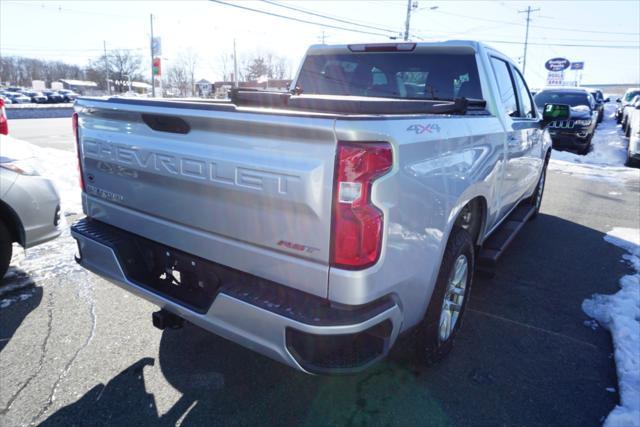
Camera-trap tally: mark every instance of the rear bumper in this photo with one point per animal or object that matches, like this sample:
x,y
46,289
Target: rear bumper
x,y
301,330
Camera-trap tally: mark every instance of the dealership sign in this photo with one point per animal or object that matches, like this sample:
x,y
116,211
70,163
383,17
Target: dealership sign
x,y
555,78
557,64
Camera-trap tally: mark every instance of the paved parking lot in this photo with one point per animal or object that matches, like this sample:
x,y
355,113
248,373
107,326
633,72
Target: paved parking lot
x,y
80,351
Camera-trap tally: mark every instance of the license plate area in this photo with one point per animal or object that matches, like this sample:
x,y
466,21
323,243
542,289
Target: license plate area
x,y
187,279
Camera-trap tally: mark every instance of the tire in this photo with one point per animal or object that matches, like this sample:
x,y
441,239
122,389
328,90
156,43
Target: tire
x,y
6,249
536,197
433,346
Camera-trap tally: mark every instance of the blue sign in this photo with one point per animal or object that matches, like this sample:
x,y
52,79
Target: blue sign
x,y
557,64
577,65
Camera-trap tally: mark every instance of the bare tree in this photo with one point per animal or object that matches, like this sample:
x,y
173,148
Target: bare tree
x,y
20,71
182,72
177,80
124,65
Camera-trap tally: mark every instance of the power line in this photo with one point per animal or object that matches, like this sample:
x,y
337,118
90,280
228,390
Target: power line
x,y
564,45
57,50
304,21
573,30
65,9
344,21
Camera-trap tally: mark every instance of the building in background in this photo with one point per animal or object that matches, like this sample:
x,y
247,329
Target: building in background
x,y
204,88
83,87
222,88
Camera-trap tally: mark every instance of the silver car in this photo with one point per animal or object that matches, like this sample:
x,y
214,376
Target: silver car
x,y
29,203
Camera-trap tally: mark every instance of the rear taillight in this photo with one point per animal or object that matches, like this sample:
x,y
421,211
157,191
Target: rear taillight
x,y
4,125
357,223
74,121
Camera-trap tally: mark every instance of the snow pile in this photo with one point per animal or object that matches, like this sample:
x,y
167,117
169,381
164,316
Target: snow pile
x,y
62,168
605,161
620,314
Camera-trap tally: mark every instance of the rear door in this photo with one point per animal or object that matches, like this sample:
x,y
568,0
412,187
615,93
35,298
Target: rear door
x,y
530,151
516,144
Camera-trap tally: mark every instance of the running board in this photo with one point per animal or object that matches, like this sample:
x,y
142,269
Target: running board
x,y
500,239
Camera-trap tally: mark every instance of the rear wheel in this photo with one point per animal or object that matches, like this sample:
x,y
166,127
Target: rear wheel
x,y
449,299
536,197
6,249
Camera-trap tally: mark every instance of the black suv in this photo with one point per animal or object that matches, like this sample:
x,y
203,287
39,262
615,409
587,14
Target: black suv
x,y
575,133
600,101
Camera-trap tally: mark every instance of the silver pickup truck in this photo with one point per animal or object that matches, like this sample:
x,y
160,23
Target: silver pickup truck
x,y
315,226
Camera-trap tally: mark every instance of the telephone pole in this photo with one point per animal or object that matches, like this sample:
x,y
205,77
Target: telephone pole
x,y
153,77
526,37
235,65
407,21
106,65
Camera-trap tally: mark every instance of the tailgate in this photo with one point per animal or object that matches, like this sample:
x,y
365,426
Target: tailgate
x,y
247,190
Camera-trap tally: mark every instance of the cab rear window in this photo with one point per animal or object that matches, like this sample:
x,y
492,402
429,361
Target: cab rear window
x,y
392,75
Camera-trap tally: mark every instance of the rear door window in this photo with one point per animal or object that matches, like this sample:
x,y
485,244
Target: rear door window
x,y
526,104
392,75
505,86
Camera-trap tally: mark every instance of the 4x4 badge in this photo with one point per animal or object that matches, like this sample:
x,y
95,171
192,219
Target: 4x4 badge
x,y
429,128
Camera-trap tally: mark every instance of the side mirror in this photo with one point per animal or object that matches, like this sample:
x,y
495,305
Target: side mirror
x,y
618,100
552,112
607,100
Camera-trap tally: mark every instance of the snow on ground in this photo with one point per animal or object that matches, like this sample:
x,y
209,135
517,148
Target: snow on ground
x,y
620,314
606,160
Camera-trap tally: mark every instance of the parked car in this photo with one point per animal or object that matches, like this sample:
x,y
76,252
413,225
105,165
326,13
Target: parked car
x,y
622,102
364,218
4,123
18,98
29,203
53,96
600,101
626,110
5,99
68,95
633,133
576,132
16,89
36,97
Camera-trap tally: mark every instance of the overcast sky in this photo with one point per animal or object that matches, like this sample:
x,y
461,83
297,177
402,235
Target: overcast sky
x,y
74,31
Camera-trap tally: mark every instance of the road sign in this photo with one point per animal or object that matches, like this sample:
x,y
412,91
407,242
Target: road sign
x,y
555,78
557,64
156,67
577,65
156,46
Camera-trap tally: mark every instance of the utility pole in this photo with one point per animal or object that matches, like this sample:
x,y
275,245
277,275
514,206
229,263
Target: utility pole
x,y
526,37
407,20
106,65
323,37
153,77
235,65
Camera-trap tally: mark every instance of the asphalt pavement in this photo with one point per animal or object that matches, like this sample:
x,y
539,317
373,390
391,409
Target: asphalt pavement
x,y
81,351
46,133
